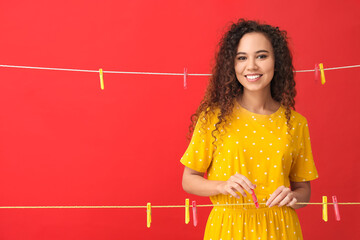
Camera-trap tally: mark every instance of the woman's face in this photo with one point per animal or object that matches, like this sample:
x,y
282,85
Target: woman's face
x,y
254,62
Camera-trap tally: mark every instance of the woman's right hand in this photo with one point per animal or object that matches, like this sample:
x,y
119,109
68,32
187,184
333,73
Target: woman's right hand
x,y
236,183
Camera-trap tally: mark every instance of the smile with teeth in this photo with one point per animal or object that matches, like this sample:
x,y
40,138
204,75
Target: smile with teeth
x,y
253,77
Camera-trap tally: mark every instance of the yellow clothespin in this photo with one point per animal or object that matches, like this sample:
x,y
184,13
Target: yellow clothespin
x,y
101,78
148,214
187,211
322,74
325,212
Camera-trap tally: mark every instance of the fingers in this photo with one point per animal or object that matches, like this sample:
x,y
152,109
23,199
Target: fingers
x,y
286,200
243,181
274,195
237,183
231,187
282,196
233,193
292,203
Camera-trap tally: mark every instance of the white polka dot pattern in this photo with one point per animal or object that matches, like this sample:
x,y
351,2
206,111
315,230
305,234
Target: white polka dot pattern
x,y
266,154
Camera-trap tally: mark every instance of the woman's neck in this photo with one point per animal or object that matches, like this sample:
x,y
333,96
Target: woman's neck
x,y
258,102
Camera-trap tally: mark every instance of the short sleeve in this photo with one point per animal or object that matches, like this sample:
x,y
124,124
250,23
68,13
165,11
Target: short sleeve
x,y
303,167
198,155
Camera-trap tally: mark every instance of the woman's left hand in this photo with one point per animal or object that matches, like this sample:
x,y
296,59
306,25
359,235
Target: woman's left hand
x,y
282,196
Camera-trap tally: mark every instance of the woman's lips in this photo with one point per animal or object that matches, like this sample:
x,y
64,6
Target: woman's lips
x,y
253,78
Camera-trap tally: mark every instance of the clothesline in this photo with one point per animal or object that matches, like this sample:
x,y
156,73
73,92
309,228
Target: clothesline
x,y
169,206
194,207
147,73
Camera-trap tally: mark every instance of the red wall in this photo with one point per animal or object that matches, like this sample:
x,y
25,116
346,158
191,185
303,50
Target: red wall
x,y
63,141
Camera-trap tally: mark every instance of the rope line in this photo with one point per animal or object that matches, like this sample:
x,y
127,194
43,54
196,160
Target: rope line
x,y
146,73
166,206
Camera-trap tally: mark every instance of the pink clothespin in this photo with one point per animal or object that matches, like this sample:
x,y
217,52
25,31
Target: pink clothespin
x,y
254,198
185,78
336,208
316,72
194,210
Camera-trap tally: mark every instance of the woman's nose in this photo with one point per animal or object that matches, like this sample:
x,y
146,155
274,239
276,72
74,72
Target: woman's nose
x,y
251,64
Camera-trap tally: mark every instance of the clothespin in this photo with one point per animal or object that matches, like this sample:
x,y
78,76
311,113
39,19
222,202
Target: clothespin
x,y
101,78
322,74
187,211
254,198
148,214
185,78
325,212
336,208
316,72
194,210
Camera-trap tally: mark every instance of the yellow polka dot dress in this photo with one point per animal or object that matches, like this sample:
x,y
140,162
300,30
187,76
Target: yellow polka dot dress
x,y
260,148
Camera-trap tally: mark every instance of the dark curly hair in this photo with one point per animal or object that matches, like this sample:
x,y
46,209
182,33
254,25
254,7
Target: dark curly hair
x,y
223,85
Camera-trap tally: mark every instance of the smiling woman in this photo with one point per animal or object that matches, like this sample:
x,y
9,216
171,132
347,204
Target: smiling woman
x,y
246,139
254,70
254,65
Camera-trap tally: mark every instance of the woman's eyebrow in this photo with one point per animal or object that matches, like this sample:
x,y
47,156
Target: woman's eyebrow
x,y
255,52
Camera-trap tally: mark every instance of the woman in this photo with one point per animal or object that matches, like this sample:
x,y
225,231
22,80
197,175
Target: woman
x,y
246,137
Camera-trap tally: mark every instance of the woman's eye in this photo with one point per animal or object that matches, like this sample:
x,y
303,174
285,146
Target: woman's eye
x,y
242,58
262,56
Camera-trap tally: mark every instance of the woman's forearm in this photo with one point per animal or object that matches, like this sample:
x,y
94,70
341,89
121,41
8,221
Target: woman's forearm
x,y
198,185
195,183
302,193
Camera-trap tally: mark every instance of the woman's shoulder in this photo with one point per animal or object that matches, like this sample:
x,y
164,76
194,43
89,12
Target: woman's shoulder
x,y
210,115
298,117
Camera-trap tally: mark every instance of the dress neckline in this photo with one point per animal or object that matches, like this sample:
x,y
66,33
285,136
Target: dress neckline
x,y
277,112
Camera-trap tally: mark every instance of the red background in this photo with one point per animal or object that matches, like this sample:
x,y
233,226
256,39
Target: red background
x,y
63,141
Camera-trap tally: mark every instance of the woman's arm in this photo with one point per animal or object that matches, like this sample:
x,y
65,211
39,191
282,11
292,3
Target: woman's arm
x,y
302,192
194,182
299,192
